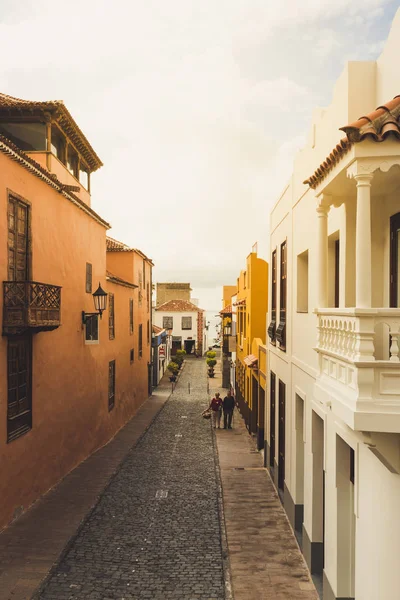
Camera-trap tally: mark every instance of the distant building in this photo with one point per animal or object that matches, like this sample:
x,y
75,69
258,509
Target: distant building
x,y
172,291
187,323
161,355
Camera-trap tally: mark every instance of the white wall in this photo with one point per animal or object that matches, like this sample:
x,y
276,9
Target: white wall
x,y
177,322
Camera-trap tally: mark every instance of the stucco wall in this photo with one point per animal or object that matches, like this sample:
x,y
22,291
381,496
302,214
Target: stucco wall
x,y
70,379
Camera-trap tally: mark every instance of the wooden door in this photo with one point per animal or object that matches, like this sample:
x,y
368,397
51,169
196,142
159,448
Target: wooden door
x,y
395,261
272,420
281,441
18,240
19,405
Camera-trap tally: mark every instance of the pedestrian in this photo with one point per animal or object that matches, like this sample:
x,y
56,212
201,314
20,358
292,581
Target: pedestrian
x,y
216,410
228,406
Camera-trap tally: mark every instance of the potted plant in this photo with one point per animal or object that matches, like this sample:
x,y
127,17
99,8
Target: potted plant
x,y
211,362
173,368
211,354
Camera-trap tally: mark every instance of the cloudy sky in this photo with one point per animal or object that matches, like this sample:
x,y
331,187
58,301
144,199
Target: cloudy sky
x,y
196,108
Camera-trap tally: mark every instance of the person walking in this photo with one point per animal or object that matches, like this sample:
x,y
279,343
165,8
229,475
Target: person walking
x,y
216,410
228,406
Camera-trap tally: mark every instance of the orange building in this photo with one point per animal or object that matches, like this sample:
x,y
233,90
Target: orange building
x,y
68,380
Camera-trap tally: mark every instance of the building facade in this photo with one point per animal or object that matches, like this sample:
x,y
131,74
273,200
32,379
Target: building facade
x,y
333,393
186,321
172,291
67,376
251,314
161,352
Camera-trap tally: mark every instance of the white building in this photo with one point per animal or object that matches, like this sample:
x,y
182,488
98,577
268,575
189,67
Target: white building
x,y
187,323
333,403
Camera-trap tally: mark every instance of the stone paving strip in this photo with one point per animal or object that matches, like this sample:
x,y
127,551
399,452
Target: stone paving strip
x,y
155,533
265,561
30,546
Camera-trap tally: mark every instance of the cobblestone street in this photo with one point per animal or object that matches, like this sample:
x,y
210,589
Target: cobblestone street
x,y
155,532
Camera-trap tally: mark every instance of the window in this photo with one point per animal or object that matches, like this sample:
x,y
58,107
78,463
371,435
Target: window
x,y
140,341
92,329
27,136
132,355
186,322
272,325
168,322
302,282
111,317
19,401
131,315
18,239
148,332
88,278
72,162
84,176
395,261
148,297
144,273
57,143
281,331
333,269
111,384
140,294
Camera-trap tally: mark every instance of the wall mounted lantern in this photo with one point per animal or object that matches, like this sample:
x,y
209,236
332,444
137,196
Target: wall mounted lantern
x,y
100,304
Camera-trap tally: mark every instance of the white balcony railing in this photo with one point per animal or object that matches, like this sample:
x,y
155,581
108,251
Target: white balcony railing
x,y
359,365
359,335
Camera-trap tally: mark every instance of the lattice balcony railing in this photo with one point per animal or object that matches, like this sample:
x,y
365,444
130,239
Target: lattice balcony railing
x,y
30,305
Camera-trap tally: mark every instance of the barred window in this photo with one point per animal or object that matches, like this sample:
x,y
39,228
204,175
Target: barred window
x,y
111,317
111,384
88,278
131,315
186,322
168,322
92,329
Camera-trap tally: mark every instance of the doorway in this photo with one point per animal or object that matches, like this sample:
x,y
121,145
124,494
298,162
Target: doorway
x,y
261,418
272,409
254,405
19,386
189,346
346,519
299,433
281,434
18,239
318,495
395,261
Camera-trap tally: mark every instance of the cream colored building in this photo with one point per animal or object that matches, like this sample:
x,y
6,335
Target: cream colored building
x,y
333,402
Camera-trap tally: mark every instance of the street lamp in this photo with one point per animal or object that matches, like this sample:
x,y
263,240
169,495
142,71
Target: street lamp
x,y
100,304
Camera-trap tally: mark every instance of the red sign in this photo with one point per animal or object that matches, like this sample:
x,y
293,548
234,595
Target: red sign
x,y
161,351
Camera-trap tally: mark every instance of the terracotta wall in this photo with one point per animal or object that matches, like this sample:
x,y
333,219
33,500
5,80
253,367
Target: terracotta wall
x,y
70,379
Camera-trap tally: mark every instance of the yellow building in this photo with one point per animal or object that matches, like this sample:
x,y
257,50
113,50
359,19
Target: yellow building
x,y
251,367
228,341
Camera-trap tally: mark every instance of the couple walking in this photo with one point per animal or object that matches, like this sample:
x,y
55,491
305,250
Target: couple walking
x,y
226,405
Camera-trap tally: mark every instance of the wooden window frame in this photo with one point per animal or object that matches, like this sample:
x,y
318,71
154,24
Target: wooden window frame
x,y
89,278
140,340
281,330
272,325
89,320
111,385
172,322
17,200
24,417
111,316
187,328
394,267
131,320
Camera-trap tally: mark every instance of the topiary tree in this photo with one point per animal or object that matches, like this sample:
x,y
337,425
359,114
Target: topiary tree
x,y
173,367
211,354
211,362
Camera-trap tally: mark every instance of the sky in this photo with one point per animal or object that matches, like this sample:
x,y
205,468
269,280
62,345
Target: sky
x,y
196,108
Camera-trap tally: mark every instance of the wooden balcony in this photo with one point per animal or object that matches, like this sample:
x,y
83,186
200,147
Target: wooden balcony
x,y
359,366
30,306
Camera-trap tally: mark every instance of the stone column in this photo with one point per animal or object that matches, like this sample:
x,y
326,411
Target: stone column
x,y
322,256
363,241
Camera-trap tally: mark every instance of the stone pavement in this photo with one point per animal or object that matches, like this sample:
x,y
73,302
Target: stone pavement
x,y
265,560
155,533
31,545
